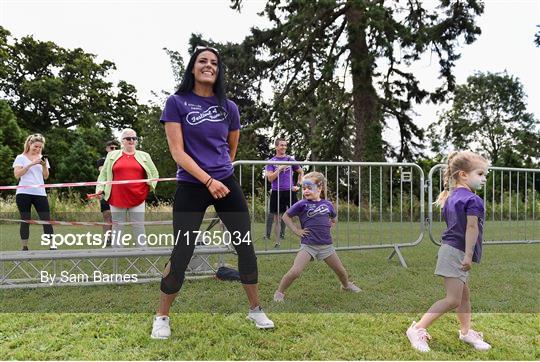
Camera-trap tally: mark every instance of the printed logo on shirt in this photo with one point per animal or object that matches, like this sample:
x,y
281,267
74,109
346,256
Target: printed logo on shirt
x,y
321,209
212,114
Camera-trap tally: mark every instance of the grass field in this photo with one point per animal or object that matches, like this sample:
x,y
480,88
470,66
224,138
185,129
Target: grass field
x,y
316,322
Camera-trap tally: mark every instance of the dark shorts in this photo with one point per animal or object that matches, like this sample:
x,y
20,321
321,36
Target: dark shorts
x,y
104,205
286,200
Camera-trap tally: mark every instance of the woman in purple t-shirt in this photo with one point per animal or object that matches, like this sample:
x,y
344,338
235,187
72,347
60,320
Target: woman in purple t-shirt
x,y
317,216
203,129
461,245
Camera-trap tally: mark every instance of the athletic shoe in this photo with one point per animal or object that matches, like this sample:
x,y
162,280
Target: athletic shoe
x,y
351,288
475,339
278,296
25,248
161,328
277,246
418,338
259,317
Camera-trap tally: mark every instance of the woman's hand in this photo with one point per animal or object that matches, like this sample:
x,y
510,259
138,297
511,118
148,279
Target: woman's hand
x,y
217,189
37,161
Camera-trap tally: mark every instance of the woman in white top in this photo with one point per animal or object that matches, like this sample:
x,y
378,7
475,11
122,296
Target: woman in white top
x,y
31,168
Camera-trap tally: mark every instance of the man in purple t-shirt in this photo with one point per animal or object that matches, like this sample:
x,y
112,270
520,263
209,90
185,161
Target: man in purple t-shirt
x,y
283,189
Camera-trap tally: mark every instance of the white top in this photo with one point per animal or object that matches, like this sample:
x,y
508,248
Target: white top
x,y
34,176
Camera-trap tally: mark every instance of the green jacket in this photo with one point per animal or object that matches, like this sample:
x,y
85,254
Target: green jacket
x,y
106,173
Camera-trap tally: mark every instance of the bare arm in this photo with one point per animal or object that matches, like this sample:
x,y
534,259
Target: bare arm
x,y
274,175
45,170
175,140
471,234
19,171
300,172
232,140
295,229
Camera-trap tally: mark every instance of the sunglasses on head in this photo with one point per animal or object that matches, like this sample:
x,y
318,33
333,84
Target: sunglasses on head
x,y
130,138
204,47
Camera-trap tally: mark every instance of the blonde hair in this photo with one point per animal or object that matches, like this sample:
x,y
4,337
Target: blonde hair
x,y
457,161
320,181
33,138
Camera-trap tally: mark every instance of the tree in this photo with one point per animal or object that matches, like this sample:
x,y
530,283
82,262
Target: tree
x,y
371,43
489,115
11,143
48,86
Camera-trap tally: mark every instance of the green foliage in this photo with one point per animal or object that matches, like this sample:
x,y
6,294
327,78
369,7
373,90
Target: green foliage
x,y
154,141
11,141
313,45
489,115
48,86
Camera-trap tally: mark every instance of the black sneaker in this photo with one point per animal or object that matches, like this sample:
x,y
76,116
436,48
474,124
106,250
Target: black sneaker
x,y
25,248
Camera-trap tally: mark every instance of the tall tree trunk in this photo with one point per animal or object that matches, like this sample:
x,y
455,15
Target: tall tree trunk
x,y
368,132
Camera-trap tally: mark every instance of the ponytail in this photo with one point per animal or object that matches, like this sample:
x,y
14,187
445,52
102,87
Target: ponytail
x,y
456,161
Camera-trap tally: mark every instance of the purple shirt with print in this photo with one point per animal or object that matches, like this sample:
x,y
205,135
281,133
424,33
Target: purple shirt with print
x,y
285,176
315,216
205,128
462,203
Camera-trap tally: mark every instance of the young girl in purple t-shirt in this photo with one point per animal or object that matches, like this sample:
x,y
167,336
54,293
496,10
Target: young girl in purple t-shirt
x,y
461,245
316,216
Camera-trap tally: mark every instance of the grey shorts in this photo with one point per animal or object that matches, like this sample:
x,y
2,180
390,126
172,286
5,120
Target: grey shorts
x,y
449,263
318,252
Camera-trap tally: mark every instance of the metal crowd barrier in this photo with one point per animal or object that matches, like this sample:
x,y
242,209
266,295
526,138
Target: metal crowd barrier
x,y
510,200
379,205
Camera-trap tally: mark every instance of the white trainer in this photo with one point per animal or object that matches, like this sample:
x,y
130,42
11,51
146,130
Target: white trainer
x,y
279,297
259,317
351,287
418,338
161,328
475,339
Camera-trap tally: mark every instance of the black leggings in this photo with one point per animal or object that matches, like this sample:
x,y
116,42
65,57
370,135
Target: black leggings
x,y
24,204
190,203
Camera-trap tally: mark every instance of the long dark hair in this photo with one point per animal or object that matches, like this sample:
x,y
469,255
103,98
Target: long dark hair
x,y
188,81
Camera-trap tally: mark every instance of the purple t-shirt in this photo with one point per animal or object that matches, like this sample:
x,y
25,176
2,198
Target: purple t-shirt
x,y
460,204
315,216
205,128
285,176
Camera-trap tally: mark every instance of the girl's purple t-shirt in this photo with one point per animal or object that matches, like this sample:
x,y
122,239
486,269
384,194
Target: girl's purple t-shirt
x,y
462,203
286,176
205,129
315,216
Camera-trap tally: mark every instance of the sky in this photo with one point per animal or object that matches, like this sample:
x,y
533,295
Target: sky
x,y
133,34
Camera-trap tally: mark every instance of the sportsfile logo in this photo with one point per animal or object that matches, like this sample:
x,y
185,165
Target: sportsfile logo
x,y
212,114
121,239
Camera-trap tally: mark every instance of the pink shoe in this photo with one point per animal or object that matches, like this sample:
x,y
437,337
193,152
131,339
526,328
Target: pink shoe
x,y
418,338
279,297
475,339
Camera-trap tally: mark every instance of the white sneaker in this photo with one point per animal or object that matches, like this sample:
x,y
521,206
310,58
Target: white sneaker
x,y
259,317
418,338
475,339
161,328
351,288
278,296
